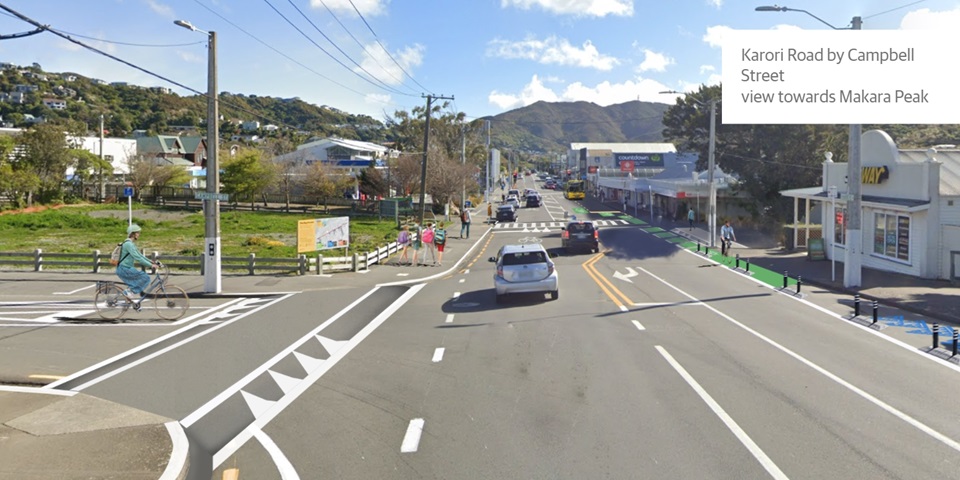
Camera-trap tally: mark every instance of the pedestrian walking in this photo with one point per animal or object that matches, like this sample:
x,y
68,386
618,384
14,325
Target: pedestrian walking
x,y
465,223
726,238
440,240
403,241
428,245
489,211
416,242
690,216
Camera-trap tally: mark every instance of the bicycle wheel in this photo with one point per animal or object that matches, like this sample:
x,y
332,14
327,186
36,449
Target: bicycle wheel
x,y
171,302
110,302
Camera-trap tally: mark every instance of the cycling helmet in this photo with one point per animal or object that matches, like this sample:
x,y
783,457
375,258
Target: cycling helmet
x,y
133,228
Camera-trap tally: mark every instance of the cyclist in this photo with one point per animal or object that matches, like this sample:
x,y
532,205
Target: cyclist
x,y
726,236
136,279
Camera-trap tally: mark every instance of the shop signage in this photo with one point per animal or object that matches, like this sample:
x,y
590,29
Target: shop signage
x,y
639,159
874,175
626,166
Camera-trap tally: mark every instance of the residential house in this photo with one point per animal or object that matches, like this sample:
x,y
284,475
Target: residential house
x,y
118,151
25,88
249,126
55,103
195,149
270,128
64,91
163,149
30,119
70,78
15,97
163,90
119,84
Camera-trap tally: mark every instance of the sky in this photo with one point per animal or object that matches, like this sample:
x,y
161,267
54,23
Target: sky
x,y
376,57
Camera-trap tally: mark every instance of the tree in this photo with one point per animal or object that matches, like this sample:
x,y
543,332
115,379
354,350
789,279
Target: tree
x,y
142,173
324,185
46,155
14,182
247,174
85,164
373,182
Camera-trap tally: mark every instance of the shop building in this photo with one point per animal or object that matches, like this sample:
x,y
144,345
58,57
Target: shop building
x,y
910,208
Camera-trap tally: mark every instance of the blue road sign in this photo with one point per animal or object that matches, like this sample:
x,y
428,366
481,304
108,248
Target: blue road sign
x,y
468,204
127,191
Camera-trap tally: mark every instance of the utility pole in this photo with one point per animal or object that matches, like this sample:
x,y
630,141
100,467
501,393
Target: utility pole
x,y
486,183
426,148
463,161
102,193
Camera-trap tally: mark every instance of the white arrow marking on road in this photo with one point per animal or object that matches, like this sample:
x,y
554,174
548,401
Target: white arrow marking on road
x,y
626,278
285,382
411,441
257,405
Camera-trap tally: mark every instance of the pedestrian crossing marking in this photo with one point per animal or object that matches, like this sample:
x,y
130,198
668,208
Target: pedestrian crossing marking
x,y
546,226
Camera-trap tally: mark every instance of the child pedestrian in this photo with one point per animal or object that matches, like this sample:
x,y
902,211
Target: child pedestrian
x,y
416,242
428,244
440,240
403,241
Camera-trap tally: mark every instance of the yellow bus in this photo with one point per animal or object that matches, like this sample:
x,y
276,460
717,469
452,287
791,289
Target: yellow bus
x,y
574,190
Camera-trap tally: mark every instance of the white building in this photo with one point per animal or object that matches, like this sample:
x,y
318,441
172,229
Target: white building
x,y
910,208
351,155
55,103
118,151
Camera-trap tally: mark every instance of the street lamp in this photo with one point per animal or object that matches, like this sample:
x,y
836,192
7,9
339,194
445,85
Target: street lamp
x,y
211,202
711,165
854,235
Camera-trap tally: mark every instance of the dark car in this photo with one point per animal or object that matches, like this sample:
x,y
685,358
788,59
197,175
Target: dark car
x,y
533,200
580,235
550,184
506,213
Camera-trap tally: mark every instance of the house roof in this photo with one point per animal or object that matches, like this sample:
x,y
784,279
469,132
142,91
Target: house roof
x,y
166,144
351,144
627,147
190,144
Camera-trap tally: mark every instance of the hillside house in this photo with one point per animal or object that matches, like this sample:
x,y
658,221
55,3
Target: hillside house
x,y
55,103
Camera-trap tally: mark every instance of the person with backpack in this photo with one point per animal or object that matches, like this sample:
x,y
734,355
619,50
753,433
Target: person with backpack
x,y
465,222
403,241
428,238
137,280
416,242
440,240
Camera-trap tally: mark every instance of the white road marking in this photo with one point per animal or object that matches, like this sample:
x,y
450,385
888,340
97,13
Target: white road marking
x,y
639,326
233,445
287,472
456,295
863,394
411,441
463,280
41,390
178,453
403,274
75,291
133,350
466,272
169,348
285,382
745,439
256,404
449,318
438,355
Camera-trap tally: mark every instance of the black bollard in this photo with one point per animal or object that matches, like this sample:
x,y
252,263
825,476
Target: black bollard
x,y
785,278
748,265
799,282
956,339
706,250
936,334
738,261
856,305
876,309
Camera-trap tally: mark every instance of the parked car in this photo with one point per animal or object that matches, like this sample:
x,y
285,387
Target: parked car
x,y
580,235
506,213
533,200
525,268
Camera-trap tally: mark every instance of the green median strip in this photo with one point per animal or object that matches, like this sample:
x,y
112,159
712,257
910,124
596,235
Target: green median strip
x,y
664,234
767,276
653,230
607,214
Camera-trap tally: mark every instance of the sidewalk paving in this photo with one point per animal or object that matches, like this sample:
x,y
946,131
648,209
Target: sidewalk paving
x,y
936,299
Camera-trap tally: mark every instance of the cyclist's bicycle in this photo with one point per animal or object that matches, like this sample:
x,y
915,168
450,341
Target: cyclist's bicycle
x,y
170,301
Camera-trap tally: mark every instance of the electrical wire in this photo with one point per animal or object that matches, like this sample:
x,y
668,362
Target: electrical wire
x,y
284,55
385,48
371,82
894,9
126,43
345,54
361,45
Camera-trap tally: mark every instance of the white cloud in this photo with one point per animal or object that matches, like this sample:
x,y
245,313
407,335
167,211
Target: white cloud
x,y
379,99
376,61
595,8
366,7
654,61
191,57
603,94
707,68
98,44
553,50
160,8
924,19
715,34
715,3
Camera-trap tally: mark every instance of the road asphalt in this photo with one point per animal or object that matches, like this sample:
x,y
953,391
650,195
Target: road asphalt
x,y
47,433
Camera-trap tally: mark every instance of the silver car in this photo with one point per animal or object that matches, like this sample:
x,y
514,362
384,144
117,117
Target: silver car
x,y
523,269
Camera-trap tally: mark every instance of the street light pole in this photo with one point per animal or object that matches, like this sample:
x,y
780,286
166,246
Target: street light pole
x,y
211,205
854,235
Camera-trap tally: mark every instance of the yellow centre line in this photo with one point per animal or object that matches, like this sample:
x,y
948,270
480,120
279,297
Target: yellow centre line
x,y
605,284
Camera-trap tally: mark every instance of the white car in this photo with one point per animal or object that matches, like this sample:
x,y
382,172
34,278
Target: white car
x,y
523,269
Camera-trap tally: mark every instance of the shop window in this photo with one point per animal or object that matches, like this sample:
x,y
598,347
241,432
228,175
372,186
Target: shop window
x,y
891,236
840,226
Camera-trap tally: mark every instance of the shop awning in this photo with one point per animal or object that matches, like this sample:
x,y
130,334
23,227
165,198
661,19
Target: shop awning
x,y
872,201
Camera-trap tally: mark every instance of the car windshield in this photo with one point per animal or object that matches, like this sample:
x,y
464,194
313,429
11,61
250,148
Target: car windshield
x,y
580,228
523,258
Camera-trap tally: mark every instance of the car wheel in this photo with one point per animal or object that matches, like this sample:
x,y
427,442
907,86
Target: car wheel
x,y
554,294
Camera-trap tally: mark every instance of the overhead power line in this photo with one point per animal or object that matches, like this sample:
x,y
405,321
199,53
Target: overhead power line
x,y
368,80
385,48
21,35
126,43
